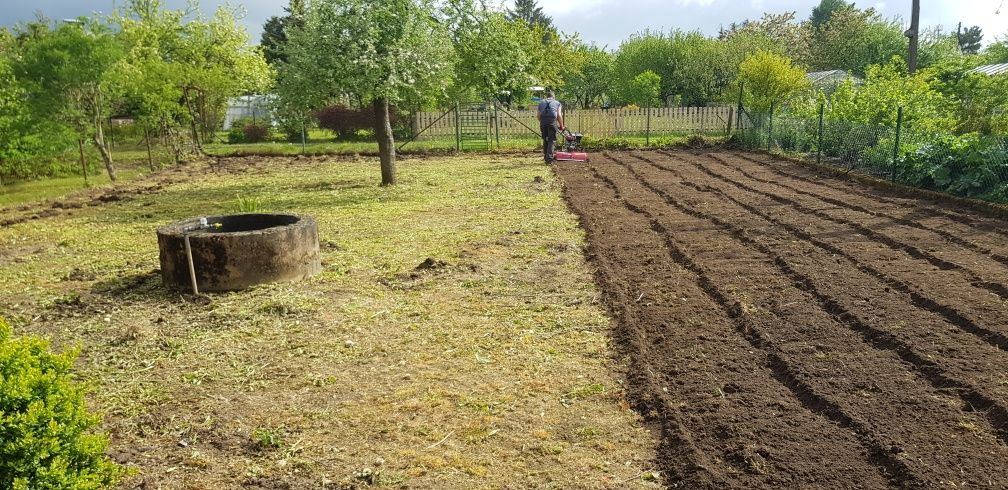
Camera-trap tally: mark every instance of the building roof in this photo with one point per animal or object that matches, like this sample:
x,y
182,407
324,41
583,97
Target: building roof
x,y
991,70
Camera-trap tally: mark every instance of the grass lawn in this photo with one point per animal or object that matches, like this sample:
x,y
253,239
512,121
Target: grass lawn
x,y
131,157
52,188
491,371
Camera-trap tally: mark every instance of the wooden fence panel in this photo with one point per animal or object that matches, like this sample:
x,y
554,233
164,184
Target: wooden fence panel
x,y
595,123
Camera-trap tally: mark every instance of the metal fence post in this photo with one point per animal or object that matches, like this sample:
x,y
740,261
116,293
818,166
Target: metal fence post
x,y
497,124
769,136
304,137
822,109
896,146
458,129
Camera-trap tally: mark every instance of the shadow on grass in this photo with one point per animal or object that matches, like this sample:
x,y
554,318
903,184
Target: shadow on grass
x,y
136,285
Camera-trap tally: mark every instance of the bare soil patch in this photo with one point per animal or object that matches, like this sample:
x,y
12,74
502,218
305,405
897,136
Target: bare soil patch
x,y
786,329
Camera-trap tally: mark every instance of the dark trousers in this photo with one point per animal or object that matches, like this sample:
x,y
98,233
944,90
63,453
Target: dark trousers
x,y
549,136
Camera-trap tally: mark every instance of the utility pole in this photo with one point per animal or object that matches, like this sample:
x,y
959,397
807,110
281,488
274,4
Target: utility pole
x,y
914,34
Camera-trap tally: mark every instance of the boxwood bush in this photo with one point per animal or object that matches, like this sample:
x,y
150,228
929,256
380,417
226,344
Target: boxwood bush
x,y
47,438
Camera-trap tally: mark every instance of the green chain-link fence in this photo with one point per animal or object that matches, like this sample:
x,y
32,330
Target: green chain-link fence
x,y
971,165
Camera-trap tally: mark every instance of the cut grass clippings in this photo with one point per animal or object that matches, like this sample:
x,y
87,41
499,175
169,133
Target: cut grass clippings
x,y
487,367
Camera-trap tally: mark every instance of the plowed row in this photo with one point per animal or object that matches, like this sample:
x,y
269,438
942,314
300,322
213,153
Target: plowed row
x,y
786,329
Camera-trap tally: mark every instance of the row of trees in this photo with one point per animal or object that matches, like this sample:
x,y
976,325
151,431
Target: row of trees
x,y
172,71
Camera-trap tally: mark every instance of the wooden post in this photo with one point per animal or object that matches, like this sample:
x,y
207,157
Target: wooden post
x,y
83,162
896,146
914,34
738,116
822,109
647,135
150,156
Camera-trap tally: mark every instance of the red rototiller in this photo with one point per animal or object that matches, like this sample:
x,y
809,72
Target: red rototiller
x,y
570,151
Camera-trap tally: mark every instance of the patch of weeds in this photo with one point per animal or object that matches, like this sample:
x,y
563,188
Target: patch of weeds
x,y
585,433
373,477
248,204
268,437
195,378
970,427
477,433
581,393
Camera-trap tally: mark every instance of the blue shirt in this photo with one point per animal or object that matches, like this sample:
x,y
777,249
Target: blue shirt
x,y
549,109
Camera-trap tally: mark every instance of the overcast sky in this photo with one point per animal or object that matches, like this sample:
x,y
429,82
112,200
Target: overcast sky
x,y
605,22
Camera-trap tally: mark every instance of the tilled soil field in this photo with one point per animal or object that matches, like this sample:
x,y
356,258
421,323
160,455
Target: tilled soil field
x,y
786,329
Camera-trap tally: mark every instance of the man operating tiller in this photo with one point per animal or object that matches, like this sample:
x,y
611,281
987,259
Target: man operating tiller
x,y
550,116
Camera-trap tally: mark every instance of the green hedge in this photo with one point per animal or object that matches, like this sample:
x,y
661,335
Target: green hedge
x,y
47,438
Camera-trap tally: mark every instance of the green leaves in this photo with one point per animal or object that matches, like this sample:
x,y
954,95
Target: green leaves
x,y
368,49
47,440
770,79
65,73
887,88
854,39
645,89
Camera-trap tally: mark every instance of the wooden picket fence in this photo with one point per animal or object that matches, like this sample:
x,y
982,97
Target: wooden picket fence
x,y
595,123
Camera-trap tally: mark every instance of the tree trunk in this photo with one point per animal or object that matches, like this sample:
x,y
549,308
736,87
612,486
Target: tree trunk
x,y
83,161
386,143
194,119
99,141
150,157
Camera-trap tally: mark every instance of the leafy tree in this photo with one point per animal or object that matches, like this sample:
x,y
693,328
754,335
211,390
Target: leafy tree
x,y
66,77
788,36
645,89
854,39
823,12
978,99
553,58
694,69
181,67
496,55
885,89
12,110
381,52
28,141
770,80
970,40
997,51
215,63
937,47
151,82
593,80
531,14
274,34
